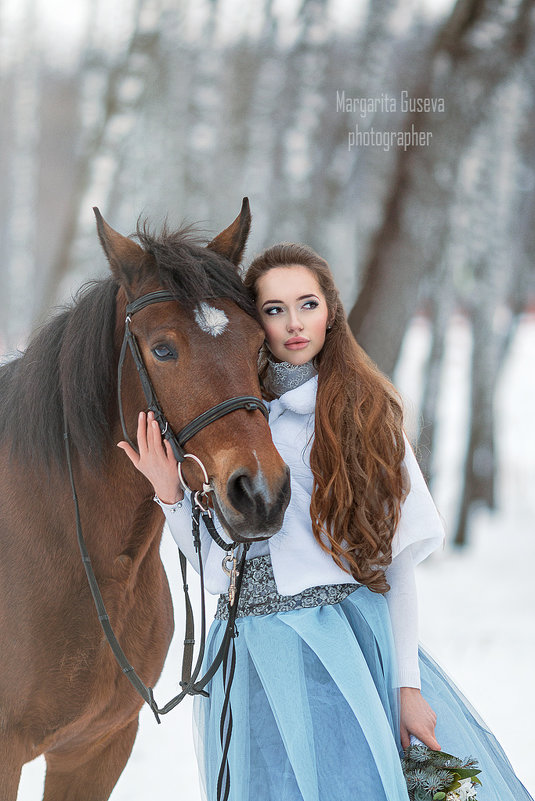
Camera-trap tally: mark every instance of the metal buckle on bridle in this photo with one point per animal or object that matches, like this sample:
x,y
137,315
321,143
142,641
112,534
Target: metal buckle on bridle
x,y
229,565
205,510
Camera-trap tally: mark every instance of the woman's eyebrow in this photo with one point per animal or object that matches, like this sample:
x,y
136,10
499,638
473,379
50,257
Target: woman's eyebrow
x,y
301,297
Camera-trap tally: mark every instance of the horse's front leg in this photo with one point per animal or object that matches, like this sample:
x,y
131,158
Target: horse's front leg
x,y
13,754
90,773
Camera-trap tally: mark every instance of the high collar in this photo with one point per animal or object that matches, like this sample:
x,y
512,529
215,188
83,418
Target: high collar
x,y
281,377
301,400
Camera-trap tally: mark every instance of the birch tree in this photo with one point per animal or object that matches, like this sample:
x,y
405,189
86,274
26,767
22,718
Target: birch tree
x,y
495,267
111,96
20,247
475,51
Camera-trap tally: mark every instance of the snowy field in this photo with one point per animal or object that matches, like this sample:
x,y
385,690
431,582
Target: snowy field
x,y
477,608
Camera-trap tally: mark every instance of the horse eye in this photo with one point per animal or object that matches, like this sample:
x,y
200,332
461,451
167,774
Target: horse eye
x,y
164,353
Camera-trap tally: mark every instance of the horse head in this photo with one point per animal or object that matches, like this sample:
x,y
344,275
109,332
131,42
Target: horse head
x,y
199,347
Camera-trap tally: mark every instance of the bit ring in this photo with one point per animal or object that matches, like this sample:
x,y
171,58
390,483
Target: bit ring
x,y
206,488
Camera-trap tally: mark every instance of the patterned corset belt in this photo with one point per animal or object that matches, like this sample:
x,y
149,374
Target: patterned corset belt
x,y
259,594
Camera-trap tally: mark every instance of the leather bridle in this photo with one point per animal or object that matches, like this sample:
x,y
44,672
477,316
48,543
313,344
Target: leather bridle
x,y
177,441
189,683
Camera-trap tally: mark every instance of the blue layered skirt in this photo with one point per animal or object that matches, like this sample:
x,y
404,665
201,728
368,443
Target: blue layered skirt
x,y
315,709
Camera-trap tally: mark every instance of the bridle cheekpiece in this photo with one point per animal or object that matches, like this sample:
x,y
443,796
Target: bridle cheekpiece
x,y
177,441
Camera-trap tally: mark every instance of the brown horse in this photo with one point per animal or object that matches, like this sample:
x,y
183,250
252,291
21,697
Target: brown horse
x,y
61,692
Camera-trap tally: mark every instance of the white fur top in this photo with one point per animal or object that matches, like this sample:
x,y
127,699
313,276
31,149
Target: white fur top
x,y
298,561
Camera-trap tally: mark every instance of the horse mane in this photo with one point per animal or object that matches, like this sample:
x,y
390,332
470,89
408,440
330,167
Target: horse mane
x,y
71,361
202,274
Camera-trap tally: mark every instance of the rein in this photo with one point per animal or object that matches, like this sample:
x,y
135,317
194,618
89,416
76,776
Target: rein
x,y
190,683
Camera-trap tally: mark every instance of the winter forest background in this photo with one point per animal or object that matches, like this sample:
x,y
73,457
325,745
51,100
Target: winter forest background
x,y
180,108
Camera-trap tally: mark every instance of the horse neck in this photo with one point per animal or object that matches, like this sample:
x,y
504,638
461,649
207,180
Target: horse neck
x,y
119,518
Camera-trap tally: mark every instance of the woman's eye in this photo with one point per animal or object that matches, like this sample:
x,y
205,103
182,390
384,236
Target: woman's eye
x,y
164,353
272,310
310,304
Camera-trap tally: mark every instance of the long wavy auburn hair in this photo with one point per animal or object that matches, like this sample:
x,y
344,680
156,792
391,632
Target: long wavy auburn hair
x,y
358,449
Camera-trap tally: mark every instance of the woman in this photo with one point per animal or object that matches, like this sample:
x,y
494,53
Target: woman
x,y
329,681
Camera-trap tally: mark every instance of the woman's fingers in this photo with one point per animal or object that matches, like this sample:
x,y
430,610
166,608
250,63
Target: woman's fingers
x,y
169,451
434,744
148,441
130,452
417,718
154,438
142,423
430,741
425,734
155,459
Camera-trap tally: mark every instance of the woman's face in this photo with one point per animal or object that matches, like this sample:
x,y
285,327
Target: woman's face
x,y
293,312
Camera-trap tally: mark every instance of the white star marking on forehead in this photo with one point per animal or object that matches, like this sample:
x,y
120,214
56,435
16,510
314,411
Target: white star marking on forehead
x,y
210,320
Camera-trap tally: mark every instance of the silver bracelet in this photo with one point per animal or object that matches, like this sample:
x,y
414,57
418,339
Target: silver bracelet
x,y
170,507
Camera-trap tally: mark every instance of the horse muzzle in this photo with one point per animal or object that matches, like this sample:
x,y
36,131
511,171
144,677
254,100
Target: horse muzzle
x,y
249,508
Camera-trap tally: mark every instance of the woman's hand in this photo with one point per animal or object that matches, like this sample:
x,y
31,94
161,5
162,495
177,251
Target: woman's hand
x,y
155,459
417,718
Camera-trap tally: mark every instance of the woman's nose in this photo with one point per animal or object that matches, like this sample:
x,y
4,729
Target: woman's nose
x,y
294,323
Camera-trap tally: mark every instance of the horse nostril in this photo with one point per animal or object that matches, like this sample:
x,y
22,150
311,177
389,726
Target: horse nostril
x,y
260,505
241,492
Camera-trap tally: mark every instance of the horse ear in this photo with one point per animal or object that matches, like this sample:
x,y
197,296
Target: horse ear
x,y
231,242
125,256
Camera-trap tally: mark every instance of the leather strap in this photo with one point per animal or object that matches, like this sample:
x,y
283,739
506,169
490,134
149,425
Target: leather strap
x,y
177,441
248,402
189,683
159,296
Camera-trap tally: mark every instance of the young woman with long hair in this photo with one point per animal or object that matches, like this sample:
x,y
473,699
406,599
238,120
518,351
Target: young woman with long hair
x,y
330,683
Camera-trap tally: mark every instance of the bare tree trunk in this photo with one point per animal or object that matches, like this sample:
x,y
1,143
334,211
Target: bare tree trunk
x,y
442,305
124,88
287,103
468,65
480,460
203,103
492,320
23,168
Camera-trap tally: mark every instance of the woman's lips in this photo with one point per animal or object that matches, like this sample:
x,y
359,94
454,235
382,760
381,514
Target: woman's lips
x,y
296,344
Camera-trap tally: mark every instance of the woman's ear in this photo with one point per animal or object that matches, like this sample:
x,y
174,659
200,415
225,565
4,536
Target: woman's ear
x,y
332,316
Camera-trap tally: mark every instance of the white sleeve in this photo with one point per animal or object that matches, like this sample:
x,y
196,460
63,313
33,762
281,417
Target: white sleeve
x,y
178,518
402,603
420,528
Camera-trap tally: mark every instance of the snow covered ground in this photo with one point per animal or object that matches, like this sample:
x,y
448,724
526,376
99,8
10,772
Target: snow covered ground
x,y
477,608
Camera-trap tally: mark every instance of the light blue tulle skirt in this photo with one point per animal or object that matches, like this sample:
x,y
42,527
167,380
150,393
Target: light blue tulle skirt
x,y
315,712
